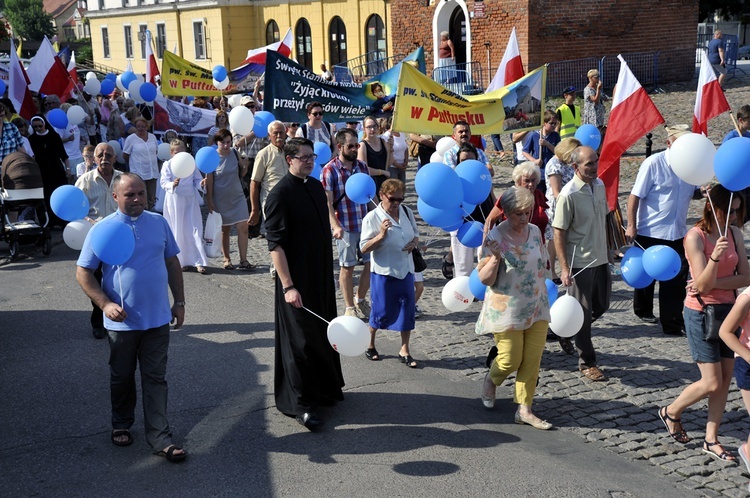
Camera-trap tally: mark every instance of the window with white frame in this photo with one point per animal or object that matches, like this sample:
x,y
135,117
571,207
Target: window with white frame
x,y
128,42
199,34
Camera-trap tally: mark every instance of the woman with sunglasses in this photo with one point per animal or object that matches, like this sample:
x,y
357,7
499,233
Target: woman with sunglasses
x,y
316,129
52,159
390,233
375,153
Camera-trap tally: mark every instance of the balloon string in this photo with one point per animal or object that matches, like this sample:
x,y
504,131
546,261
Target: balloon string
x,y
634,241
713,210
315,314
579,271
729,211
119,277
573,258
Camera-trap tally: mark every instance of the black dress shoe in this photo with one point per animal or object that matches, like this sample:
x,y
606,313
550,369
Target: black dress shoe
x,y
567,346
649,319
678,333
309,420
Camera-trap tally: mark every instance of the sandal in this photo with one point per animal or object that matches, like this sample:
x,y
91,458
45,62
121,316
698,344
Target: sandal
x,y
680,436
372,354
245,265
724,455
407,360
447,268
120,433
228,265
593,373
170,455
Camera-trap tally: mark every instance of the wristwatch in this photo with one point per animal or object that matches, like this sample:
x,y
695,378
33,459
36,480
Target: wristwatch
x,y
287,289
179,303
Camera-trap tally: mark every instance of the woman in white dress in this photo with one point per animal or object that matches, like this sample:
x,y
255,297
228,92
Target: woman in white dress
x,y
183,213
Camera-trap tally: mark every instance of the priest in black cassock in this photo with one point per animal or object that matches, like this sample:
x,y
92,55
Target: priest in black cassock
x,y
307,370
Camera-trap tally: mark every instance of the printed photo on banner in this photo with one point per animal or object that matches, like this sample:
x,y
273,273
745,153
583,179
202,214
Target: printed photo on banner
x,y
523,103
186,120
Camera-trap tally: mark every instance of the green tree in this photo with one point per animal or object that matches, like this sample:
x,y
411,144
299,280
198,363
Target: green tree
x,y
28,19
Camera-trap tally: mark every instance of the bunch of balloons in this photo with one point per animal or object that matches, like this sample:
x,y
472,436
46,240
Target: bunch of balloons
x,y
221,77
640,268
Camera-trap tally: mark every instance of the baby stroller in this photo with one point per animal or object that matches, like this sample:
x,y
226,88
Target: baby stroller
x,y
22,200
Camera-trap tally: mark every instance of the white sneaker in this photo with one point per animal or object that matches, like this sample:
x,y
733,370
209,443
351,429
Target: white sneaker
x,y
351,312
417,312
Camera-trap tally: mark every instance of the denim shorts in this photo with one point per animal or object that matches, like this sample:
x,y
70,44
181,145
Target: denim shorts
x,y
348,249
703,351
742,373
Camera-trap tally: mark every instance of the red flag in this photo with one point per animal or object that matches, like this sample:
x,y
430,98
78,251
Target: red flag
x,y
152,69
633,115
511,66
73,82
18,89
47,72
710,101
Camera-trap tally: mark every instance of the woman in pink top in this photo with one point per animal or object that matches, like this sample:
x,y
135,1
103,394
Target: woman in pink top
x,y
718,267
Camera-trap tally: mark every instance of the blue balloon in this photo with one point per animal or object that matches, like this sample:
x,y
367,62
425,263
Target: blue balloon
x,y
112,241
453,227
207,159
467,208
439,186
69,203
475,180
360,136
127,78
2,87
589,135
360,188
476,286
632,270
219,72
440,217
148,91
260,125
58,119
552,291
732,164
108,86
317,171
471,233
324,153
111,77
661,262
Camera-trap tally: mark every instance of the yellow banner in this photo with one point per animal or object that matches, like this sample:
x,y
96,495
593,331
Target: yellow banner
x,y
181,77
425,106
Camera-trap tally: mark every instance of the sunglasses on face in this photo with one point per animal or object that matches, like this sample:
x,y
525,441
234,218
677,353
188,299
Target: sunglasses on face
x,y
306,158
316,114
394,199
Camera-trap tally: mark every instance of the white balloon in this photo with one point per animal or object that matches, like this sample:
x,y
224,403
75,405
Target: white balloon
x,y
222,85
92,87
234,100
91,75
163,152
119,84
241,120
116,146
348,335
140,77
457,295
566,316
75,233
436,157
444,145
692,158
76,115
134,89
183,164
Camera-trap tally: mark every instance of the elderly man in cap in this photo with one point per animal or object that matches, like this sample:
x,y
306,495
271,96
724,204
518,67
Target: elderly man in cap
x,y
568,114
657,215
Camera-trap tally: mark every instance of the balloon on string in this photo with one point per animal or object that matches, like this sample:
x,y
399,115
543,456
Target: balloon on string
x,y
348,335
182,164
552,291
2,87
76,115
631,269
69,203
119,83
360,188
467,208
148,92
112,241
116,146
437,217
471,233
323,152
241,120
439,186
75,233
475,180
436,157
111,77
57,118
207,159
316,171
262,120
107,87
139,77
444,145
661,262
476,286
163,152
456,295
134,89
692,158
92,87
589,135
126,79
566,316
91,75
360,135
219,72
221,84
234,100
732,164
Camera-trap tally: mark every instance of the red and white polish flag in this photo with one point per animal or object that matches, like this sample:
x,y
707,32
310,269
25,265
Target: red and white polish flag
x,y
18,87
511,66
152,68
47,73
710,101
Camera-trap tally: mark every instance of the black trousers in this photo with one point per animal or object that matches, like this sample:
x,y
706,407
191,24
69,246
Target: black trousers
x,y
97,315
671,292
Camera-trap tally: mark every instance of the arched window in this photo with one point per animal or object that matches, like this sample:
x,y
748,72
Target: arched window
x,y
303,43
337,48
375,35
272,32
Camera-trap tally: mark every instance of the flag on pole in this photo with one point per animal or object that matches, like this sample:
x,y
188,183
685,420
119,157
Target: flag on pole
x,y
47,73
255,63
18,50
18,87
73,82
511,66
152,69
710,101
633,115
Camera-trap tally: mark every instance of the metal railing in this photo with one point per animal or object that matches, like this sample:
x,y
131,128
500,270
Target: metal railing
x,y
89,65
462,79
644,65
562,74
365,66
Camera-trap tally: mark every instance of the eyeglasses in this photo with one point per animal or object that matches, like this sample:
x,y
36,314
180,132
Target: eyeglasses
x,y
316,114
394,199
304,159
250,106
352,146
371,127
294,125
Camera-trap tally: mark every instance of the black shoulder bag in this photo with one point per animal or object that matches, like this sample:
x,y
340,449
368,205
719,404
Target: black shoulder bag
x,y
420,264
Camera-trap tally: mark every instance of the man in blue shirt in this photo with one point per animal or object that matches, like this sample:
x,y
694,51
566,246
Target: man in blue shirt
x,y
716,54
539,146
135,302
